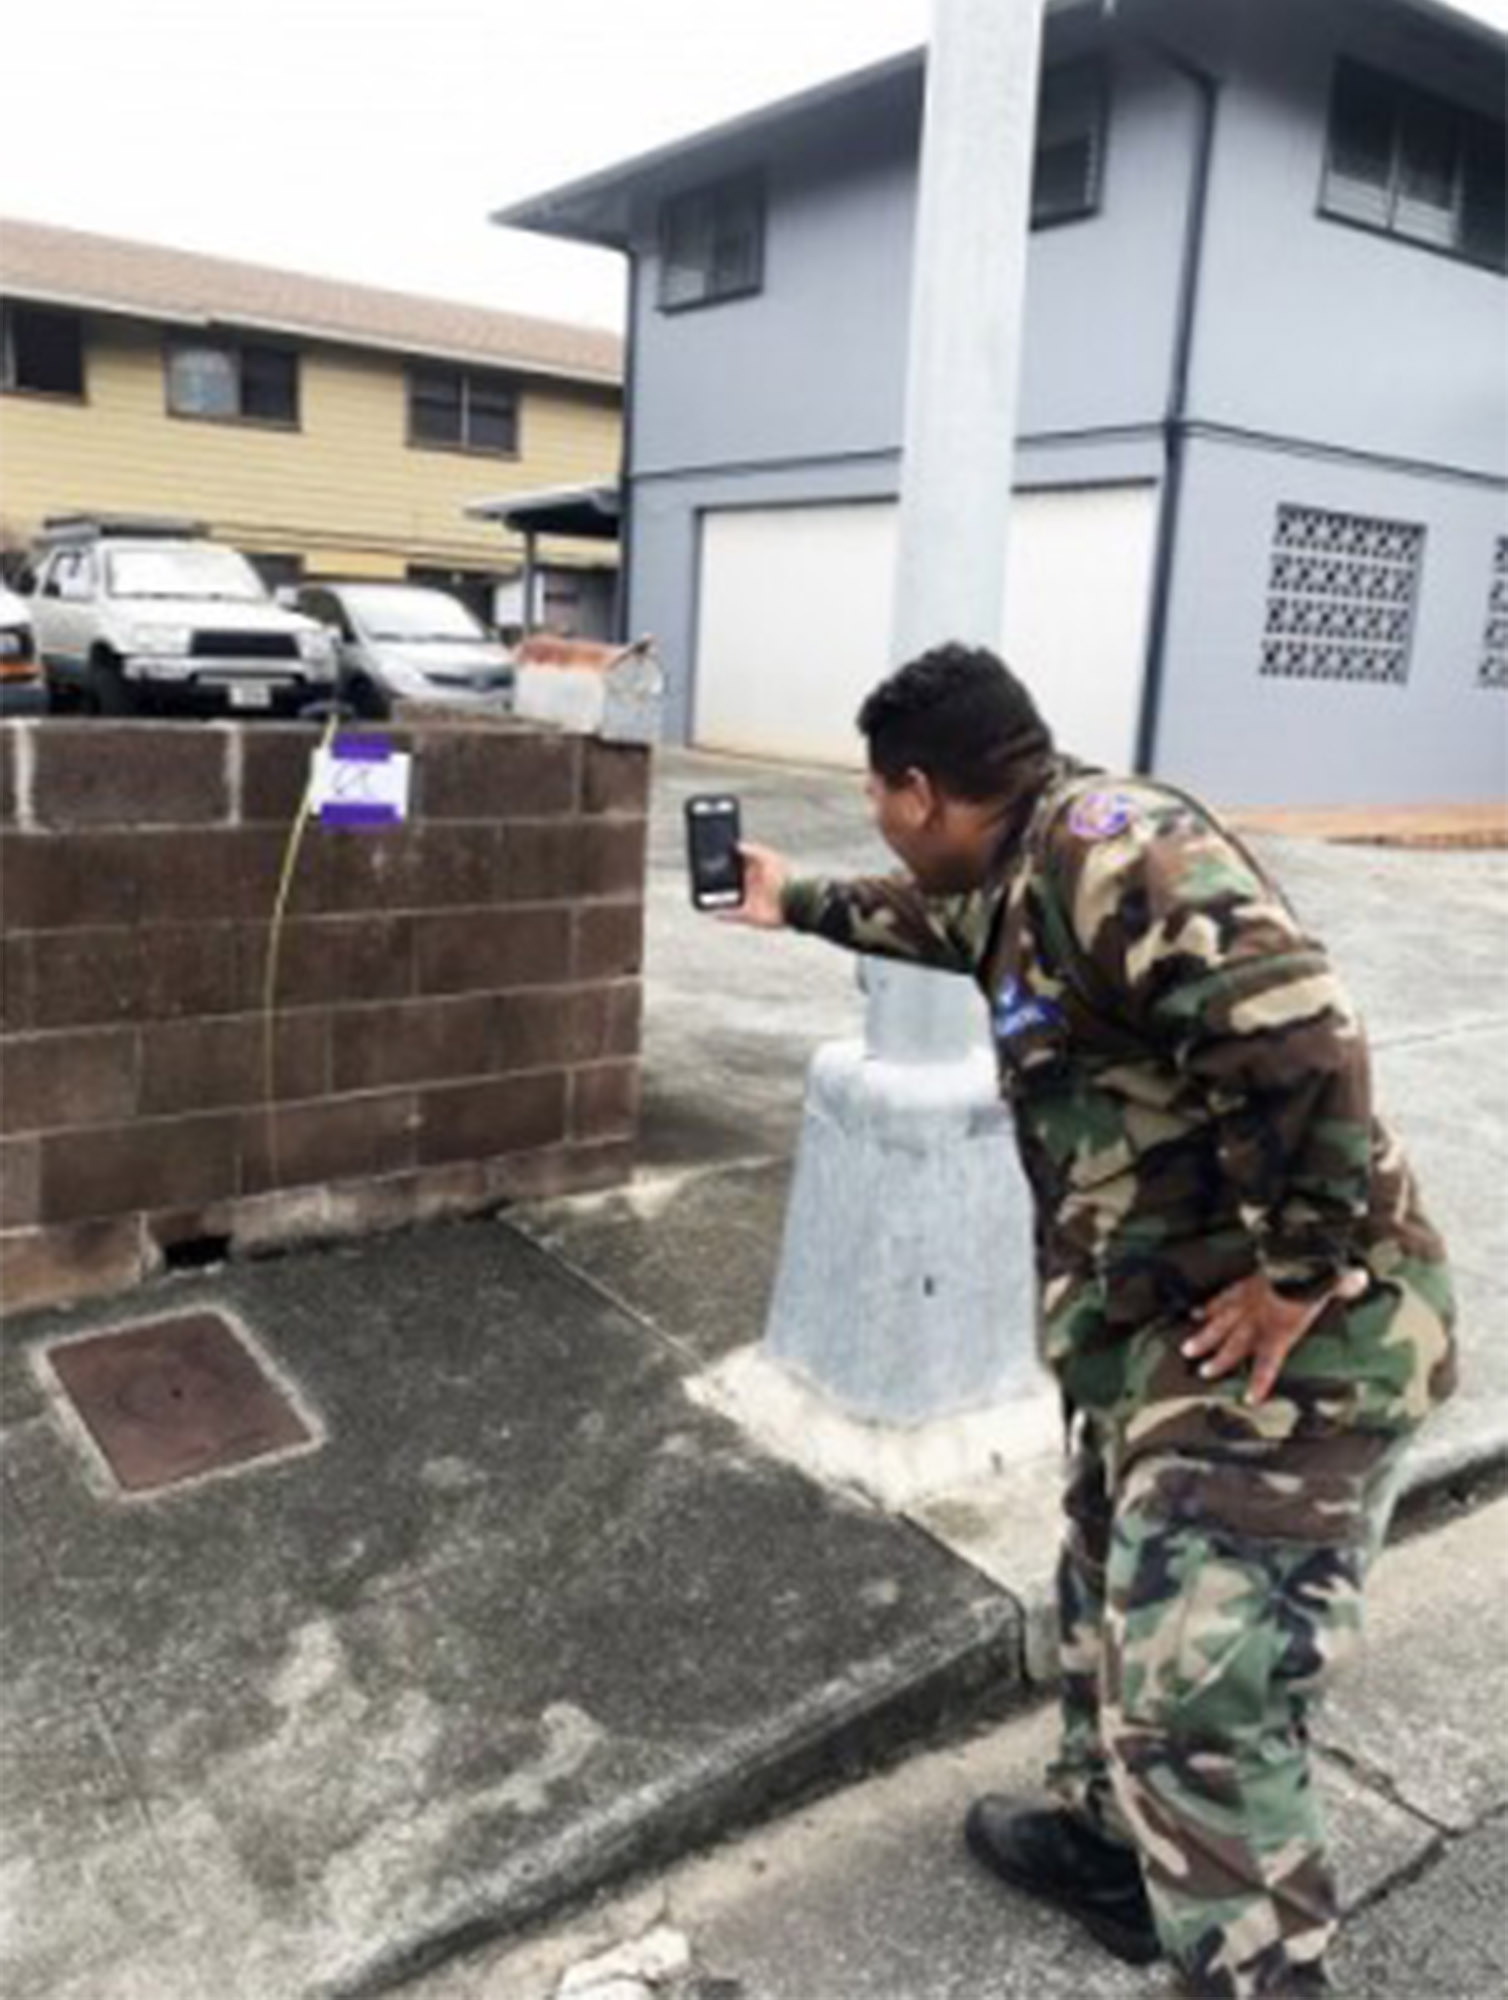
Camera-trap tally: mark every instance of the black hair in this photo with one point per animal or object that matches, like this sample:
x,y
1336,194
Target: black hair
x,y
959,714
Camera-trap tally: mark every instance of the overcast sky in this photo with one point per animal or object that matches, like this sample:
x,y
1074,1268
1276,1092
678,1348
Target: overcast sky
x,y
369,139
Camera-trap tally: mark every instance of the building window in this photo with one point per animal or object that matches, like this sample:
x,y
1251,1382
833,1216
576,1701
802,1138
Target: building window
x,y
1493,670
463,409
1068,172
1417,166
232,379
41,351
1341,595
712,244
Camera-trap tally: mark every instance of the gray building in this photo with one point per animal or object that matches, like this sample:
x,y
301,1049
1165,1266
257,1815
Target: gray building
x,y
1259,538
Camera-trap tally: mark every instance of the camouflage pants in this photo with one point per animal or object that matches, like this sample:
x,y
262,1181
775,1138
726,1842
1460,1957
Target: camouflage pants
x,y
1204,1601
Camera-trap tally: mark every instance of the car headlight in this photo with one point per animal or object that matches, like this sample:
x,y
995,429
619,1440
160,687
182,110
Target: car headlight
x,y
399,675
160,638
318,648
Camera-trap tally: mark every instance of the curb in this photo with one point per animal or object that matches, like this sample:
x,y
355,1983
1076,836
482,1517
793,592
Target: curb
x,y
943,1683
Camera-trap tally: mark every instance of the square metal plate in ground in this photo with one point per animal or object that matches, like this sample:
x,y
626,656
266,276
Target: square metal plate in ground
x,y
172,1399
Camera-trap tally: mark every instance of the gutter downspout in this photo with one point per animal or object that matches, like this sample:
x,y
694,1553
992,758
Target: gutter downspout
x,y
531,579
622,624
1175,423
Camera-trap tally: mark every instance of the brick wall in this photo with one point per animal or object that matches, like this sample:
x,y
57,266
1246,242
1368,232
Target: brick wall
x,y
458,999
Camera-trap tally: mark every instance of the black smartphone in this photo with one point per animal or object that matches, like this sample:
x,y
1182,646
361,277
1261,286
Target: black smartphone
x,y
712,836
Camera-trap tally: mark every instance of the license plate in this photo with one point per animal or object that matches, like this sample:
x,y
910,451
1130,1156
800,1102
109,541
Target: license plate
x,y
252,694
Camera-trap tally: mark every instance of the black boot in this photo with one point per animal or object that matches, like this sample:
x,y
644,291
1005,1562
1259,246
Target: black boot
x,y
1050,1854
1308,1979
1300,1983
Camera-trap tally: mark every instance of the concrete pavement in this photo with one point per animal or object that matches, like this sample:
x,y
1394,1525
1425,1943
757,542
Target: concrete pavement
x,y
1421,937
525,1618
532,1617
869,1894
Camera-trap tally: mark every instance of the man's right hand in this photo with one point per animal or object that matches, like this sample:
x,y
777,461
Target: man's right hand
x,y
765,875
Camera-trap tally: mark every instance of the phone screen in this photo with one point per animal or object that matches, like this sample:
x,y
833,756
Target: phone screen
x,y
717,875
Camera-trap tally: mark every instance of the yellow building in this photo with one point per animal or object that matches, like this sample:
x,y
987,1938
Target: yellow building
x,y
323,428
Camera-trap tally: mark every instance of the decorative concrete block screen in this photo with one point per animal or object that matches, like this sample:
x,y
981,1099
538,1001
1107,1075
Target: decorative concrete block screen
x,y
1341,596
456,1019
1493,671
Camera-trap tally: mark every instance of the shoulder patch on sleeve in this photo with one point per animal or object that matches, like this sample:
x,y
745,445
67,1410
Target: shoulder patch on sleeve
x,y
1101,815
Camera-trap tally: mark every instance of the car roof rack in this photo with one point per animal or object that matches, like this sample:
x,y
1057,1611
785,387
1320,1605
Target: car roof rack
x,y
101,527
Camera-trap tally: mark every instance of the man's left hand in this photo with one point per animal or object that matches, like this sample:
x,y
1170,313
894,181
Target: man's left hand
x,y
1249,1321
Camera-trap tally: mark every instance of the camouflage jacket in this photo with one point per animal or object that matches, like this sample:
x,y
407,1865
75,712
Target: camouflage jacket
x,y
1191,1100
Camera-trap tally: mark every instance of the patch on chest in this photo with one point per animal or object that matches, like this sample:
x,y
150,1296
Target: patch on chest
x,y
1098,815
1016,1011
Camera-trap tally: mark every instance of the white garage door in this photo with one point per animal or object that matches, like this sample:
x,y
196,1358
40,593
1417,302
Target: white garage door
x,y
794,620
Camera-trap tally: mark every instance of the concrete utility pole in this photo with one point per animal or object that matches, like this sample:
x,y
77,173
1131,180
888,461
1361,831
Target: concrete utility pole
x,y
904,1280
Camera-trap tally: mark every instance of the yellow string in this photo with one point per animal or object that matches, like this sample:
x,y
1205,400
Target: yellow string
x,y
274,945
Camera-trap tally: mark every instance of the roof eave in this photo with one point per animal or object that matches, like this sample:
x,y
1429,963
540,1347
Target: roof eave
x,y
1448,14
602,492
595,209
591,197
34,293
114,308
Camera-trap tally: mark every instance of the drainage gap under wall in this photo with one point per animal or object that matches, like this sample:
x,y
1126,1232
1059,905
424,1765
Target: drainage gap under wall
x,y
196,1253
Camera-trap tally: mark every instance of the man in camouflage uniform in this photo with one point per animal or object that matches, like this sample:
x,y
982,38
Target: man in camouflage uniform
x,y
1244,1303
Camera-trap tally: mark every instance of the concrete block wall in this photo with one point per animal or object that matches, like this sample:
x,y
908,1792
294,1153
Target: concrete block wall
x,y
457,1000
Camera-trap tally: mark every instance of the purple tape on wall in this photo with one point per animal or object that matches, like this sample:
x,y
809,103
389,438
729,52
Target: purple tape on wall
x,y
361,749
358,815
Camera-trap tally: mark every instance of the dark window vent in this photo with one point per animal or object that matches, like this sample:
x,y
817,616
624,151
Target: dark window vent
x,y
463,409
41,350
1068,173
232,379
1410,164
1341,596
1493,671
712,244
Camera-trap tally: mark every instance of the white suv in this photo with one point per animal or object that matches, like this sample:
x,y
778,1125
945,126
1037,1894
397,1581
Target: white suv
x,y
132,614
